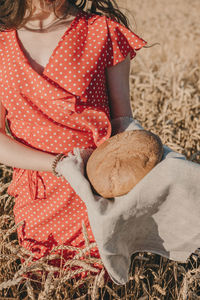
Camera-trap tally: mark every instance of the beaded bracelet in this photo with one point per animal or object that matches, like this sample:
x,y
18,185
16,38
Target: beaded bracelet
x,y
59,157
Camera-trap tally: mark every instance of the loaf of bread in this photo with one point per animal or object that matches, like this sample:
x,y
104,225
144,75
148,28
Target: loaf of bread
x,y
119,163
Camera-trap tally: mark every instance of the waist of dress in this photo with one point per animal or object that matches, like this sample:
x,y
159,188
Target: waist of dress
x,y
34,178
53,139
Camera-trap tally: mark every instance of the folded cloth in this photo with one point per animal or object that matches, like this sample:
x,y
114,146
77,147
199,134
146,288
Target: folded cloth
x,y
161,214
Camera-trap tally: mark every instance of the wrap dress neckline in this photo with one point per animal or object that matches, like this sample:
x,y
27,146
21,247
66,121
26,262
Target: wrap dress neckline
x,y
51,58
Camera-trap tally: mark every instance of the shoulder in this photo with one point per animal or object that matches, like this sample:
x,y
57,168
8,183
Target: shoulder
x,y
101,25
95,19
4,38
104,24
5,33
5,46
94,29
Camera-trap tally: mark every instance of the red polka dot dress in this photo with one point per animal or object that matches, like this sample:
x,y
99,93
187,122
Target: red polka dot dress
x,y
65,107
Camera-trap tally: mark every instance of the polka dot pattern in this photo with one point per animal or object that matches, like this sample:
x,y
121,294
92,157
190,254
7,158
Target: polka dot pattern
x,y
65,107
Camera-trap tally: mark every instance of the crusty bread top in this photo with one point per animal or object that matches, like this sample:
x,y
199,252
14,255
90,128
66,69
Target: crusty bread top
x,y
119,163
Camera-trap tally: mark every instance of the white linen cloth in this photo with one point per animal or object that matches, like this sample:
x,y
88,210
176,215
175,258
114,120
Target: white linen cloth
x,y
161,214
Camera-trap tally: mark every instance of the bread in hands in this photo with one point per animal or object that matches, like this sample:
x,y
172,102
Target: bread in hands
x,y
119,163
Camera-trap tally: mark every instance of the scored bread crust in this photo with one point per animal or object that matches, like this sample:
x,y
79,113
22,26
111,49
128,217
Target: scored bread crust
x,y
120,162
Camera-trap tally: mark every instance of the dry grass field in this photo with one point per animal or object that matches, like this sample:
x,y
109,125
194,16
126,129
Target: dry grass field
x,y
165,95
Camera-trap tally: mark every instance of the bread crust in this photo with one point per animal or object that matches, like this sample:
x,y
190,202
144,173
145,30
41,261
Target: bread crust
x,y
119,163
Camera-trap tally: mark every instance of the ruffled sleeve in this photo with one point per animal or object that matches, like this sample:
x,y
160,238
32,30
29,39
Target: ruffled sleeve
x,y
121,41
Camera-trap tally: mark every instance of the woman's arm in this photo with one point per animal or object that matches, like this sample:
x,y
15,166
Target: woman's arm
x,y
118,89
18,155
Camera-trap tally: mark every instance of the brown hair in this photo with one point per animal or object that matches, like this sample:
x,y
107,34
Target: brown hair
x,y
12,13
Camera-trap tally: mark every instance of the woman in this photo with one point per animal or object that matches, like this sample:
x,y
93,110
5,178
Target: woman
x,y
65,75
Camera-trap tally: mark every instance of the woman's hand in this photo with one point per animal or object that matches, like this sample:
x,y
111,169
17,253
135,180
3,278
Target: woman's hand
x,y
72,167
